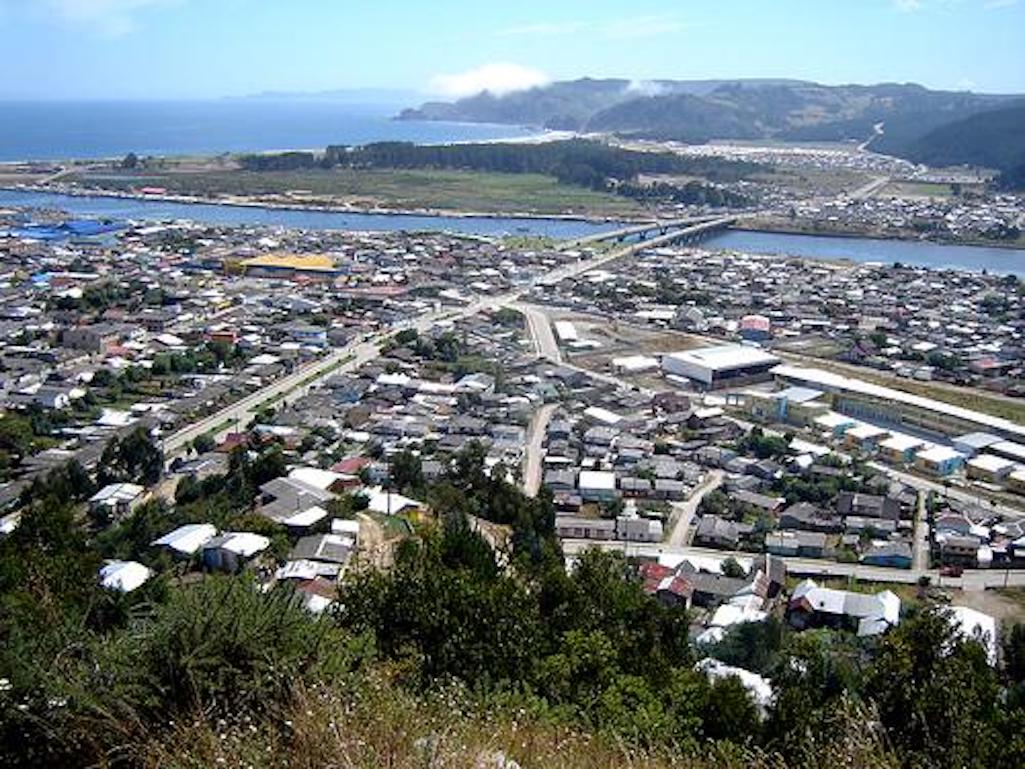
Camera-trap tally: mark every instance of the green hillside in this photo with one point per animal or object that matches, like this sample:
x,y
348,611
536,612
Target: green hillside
x,y
937,127
994,139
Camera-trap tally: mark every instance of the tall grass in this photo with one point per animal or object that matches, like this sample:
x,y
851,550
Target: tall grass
x,y
380,725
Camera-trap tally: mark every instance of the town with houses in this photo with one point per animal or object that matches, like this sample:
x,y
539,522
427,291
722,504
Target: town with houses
x,y
832,190
756,434
555,386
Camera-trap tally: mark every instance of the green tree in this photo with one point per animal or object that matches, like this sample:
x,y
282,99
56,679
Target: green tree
x,y
204,443
731,568
407,472
133,459
936,694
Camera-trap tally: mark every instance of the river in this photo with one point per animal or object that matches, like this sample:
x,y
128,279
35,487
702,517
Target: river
x,y
921,253
912,252
210,213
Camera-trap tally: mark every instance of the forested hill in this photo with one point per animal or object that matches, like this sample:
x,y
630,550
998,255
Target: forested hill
x,y
913,117
994,139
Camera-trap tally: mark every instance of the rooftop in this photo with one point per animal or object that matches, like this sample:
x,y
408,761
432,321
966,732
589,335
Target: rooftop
x,y
726,357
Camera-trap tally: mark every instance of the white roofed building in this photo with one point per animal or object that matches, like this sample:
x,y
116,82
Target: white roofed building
x,y
595,485
730,365
124,576
815,606
188,539
116,500
230,551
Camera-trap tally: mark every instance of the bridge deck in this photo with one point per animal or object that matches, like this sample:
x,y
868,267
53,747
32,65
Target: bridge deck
x,y
638,229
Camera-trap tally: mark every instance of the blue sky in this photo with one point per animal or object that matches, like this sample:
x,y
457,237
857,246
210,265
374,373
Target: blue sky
x,y
211,48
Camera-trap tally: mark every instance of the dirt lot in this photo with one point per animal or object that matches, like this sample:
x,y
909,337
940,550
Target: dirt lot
x,y
624,339
378,537
1003,605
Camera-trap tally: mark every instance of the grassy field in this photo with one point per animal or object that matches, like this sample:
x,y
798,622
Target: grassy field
x,y
830,181
915,190
403,189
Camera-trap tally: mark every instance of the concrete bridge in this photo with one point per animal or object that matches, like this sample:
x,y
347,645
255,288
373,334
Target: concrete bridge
x,y
659,228
689,233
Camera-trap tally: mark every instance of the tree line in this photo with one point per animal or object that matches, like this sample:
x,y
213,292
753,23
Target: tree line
x,y
578,162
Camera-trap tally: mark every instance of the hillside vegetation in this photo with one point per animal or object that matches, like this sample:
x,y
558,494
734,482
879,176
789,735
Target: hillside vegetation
x,y
917,122
448,659
994,139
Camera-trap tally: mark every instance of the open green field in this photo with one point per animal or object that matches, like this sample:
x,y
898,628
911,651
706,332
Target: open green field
x,y
400,189
916,190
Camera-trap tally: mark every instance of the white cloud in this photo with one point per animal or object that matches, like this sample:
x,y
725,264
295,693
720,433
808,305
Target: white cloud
x,y
108,17
626,28
498,78
908,6
646,88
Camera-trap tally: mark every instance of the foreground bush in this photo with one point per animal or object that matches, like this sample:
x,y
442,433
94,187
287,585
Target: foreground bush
x,y
220,648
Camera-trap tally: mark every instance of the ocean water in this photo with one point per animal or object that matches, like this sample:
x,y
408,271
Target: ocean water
x,y
62,130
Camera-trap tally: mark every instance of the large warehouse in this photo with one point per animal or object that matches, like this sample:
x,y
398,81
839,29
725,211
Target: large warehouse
x,y
727,365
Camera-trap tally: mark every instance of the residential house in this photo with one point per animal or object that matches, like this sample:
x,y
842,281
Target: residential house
x,y
894,555
578,527
230,551
805,516
187,540
814,606
867,505
807,544
116,501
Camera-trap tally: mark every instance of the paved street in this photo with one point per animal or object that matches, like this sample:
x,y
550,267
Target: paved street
x,y
683,512
533,459
540,327
920,543
241,412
